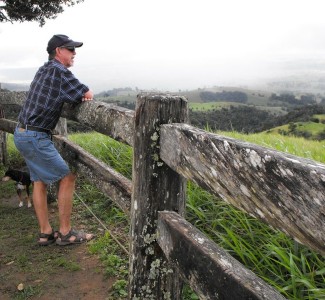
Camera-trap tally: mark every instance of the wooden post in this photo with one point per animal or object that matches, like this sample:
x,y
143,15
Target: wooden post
x,y
156,187
3,142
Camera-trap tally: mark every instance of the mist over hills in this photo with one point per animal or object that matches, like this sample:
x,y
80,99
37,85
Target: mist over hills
x,y
14,87
311,82
296,76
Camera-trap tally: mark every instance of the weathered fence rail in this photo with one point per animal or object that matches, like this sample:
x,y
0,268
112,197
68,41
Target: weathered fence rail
x,y
284,191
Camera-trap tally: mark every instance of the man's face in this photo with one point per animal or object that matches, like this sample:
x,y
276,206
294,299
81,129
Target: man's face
x,y
66,55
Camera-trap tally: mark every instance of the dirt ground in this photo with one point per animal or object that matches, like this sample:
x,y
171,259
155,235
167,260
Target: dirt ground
x,y
28,271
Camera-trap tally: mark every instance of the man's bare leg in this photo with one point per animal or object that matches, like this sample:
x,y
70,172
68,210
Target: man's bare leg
x,y
41,209
65,198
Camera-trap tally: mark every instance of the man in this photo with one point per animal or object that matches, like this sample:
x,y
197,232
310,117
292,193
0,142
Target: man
x,y
53,85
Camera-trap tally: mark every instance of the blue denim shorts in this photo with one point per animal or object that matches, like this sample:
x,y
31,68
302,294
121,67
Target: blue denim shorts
x,y
42,159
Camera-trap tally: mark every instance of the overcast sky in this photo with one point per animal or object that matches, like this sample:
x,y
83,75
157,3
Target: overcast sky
x,y
173,44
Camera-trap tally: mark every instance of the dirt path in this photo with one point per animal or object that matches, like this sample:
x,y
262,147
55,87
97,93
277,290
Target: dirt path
x,y
52,272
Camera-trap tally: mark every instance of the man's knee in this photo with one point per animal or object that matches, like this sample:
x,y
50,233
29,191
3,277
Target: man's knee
x,y
71,177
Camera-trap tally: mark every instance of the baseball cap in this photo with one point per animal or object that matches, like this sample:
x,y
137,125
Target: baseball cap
x,y
61,40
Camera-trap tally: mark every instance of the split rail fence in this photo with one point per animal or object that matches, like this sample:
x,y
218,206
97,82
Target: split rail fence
x,y
284,191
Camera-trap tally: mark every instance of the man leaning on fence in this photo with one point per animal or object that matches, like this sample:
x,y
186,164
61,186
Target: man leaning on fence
x,y
53,85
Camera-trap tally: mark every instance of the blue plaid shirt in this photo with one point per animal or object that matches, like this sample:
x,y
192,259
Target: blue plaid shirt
x,y
53,85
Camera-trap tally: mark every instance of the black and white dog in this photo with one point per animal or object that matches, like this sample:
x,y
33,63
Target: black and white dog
x,y
23,182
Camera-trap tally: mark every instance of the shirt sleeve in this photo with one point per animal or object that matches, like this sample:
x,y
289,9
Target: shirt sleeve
x,y
72,90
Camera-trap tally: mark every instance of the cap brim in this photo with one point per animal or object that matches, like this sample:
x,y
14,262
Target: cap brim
x,y
73,44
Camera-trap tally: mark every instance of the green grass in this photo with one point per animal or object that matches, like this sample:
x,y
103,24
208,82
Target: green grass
x,y
311,128
27,293
114,263
198,106
66,264
113,153
320,117
297,146
8,188
297,272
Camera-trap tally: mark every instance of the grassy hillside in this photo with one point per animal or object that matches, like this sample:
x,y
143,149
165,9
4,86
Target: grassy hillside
x,y
199,106
321,118
309,129
255,97
276,105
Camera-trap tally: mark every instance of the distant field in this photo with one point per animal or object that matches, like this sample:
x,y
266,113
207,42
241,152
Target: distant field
x,y
313,128
195,106
211,105
255,97
320,117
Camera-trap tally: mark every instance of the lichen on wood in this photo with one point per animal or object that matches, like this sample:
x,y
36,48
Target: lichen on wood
x,y
283,190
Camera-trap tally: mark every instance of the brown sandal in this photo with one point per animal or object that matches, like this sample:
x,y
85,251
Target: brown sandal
x,y
80,237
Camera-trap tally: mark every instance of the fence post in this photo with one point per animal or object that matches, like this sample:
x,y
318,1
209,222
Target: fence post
x,y
156,187
3,141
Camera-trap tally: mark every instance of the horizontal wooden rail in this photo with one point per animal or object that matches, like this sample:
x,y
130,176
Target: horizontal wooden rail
x,y
106,179
7,125
109,119
285,191
211,272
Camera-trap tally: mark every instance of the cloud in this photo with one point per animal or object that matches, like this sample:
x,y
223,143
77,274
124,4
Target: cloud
x,y
173,44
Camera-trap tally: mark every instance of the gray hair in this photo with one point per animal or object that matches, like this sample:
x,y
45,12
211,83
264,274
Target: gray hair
x,y
52,54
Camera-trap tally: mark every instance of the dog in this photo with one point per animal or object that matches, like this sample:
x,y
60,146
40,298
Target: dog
x,y
23,182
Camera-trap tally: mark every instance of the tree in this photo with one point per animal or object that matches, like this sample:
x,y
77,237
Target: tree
x,y
32,10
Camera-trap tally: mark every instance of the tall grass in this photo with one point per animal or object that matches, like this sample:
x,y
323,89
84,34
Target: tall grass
x,y
113,153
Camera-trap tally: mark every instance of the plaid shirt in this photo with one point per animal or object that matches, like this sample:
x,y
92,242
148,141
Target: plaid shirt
x,y
53,85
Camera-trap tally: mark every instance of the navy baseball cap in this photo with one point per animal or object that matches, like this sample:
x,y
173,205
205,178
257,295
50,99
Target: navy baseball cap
x,y
61,40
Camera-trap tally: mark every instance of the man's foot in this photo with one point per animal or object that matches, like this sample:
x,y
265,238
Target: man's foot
x,y
46,239
74,237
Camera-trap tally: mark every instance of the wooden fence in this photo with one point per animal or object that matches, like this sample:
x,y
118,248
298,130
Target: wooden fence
x,y
285,191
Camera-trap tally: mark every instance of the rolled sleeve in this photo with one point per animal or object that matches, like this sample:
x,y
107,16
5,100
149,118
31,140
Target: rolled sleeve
x,y
72,89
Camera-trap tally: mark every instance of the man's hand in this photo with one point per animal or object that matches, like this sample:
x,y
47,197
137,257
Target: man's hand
x,y
88,96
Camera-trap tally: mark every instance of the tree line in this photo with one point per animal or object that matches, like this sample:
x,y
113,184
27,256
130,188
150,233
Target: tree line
x,y
248,119
293,100
231,96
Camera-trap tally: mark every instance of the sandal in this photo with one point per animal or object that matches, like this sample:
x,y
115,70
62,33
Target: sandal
x,y
51,238
80,237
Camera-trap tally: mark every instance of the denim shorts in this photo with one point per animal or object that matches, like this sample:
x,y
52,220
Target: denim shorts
x,y
44,162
